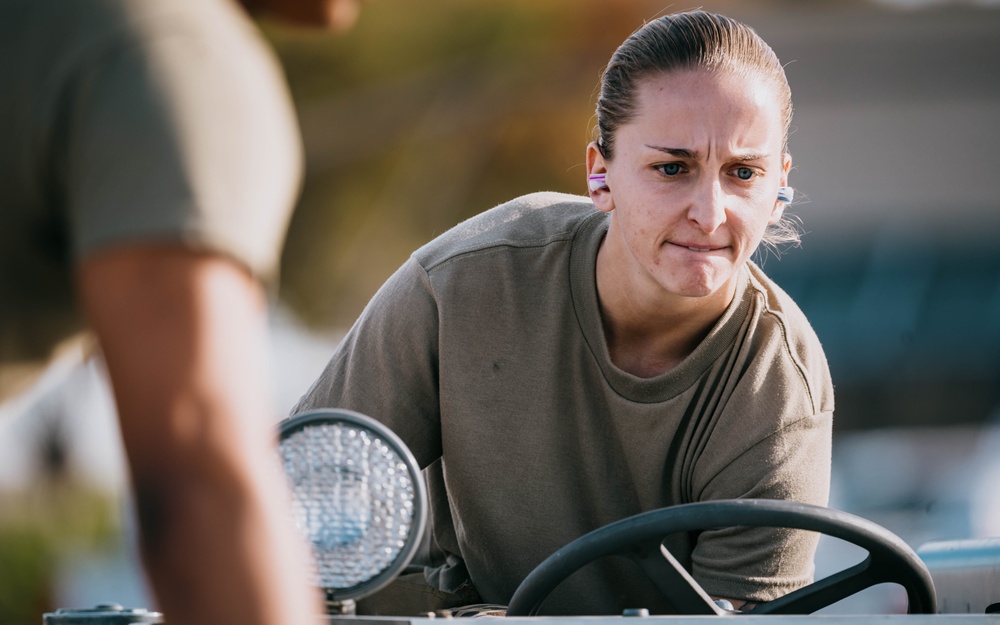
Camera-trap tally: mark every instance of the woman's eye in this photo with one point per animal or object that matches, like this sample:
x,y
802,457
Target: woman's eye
x,y
744,173
671,169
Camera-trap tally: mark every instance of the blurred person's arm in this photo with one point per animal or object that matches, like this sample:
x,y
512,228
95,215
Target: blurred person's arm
x,y
184,338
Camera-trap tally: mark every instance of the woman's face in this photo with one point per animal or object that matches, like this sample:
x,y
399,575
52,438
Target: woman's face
x,y
692,183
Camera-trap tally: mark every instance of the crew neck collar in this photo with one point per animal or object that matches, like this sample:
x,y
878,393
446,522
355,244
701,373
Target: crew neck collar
x,y
583,286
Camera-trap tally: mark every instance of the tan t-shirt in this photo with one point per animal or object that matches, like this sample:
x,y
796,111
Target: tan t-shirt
x,y
486,351
125,121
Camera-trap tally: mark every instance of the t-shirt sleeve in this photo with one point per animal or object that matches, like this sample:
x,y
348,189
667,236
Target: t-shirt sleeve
x,y
180,128
771,440
387,365
762,564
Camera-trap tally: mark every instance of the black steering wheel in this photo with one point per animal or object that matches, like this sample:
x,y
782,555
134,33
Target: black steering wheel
x,y
640,538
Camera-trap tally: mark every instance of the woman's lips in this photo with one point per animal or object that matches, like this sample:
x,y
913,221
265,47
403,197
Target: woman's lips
x,y
694,247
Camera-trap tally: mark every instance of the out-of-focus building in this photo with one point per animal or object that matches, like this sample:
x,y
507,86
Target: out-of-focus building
x,y
896,128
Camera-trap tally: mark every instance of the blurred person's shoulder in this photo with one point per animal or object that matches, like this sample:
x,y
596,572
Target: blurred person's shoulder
x,y
535,220
51,48
181,104
62,23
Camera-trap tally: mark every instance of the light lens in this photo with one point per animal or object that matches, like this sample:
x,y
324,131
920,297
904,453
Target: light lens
x,y
355,497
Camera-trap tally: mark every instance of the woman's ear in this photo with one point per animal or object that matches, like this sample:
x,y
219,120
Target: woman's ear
x,y
779,204
597,179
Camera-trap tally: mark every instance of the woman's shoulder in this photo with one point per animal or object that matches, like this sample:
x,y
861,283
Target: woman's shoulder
x,y
777,303
533,220
783,323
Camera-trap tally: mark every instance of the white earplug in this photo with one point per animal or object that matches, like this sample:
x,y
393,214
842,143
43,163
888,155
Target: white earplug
x,y
786,194
596,182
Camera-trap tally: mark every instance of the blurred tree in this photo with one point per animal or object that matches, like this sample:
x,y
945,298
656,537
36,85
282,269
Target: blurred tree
x,y
58,516
427,114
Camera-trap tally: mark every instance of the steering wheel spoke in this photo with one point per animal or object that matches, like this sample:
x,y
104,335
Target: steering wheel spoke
x,y
671,578
822,593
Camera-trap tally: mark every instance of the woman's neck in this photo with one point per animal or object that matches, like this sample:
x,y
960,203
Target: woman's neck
x,y
648,330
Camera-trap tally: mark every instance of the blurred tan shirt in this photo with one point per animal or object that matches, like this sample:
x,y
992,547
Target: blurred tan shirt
x,y
125,121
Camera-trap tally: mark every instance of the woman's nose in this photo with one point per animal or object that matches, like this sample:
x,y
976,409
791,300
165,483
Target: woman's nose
x,y
708,206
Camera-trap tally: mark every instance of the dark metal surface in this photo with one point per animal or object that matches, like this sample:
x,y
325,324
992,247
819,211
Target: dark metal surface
x,y
103,614
771,619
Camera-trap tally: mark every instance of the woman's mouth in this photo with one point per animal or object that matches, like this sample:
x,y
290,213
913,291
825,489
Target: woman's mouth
x,y
697,248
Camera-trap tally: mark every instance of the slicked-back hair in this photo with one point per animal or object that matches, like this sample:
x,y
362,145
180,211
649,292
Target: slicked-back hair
x,y
691,40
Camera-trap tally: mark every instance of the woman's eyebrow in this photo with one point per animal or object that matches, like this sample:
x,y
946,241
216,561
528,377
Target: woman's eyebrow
x,y
694,155
751,156
678,152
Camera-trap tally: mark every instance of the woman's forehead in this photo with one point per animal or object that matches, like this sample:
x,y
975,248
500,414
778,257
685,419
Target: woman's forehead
x,y
685,108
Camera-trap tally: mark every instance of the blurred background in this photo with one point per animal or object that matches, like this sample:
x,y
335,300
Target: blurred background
x,y
430,112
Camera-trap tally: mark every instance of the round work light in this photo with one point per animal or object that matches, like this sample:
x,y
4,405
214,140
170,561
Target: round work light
x,y
358,497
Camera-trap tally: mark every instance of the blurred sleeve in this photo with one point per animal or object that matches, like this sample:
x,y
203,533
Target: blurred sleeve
x,y
179,128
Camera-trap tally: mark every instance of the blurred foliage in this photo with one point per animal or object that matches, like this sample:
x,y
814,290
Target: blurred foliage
x,y
426,114
38,526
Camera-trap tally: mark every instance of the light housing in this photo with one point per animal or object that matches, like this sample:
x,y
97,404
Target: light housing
x,y
358,498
